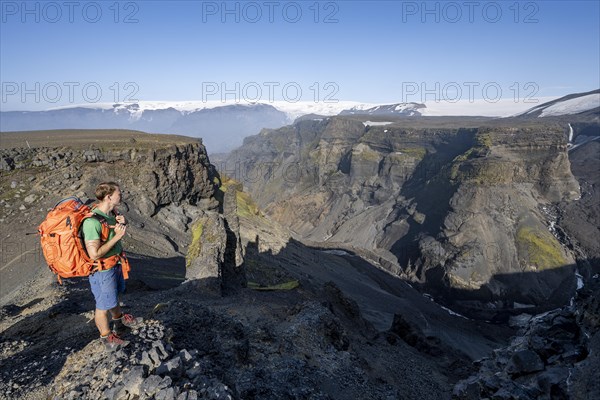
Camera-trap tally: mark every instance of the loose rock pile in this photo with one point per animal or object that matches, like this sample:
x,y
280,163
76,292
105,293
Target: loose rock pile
x,y
540,361
148,367
28,377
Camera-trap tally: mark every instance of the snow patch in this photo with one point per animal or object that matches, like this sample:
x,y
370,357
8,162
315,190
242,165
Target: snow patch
x,y
502,108
375,123
406,106
573,106
449,311
453,313
478,107
579,280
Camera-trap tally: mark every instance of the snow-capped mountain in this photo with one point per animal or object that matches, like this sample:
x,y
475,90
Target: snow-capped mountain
x,y
577,103
399,109
223,126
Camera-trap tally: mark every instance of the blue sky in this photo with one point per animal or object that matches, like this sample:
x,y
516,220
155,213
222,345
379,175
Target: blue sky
x,y
61,53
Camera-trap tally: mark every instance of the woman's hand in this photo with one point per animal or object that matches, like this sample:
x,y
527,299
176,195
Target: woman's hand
x,y
120,231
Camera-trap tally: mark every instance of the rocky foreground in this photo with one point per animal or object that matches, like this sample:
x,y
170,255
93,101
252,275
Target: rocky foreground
x,y
254,345
553,356
281,344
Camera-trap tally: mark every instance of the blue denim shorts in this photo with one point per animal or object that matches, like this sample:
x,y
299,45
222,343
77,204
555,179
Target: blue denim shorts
x,y
106,286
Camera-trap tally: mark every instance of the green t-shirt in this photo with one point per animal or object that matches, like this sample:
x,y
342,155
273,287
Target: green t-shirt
x,y
92,230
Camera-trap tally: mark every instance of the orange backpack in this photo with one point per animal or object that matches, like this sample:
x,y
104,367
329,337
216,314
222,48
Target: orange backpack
x,y
63,243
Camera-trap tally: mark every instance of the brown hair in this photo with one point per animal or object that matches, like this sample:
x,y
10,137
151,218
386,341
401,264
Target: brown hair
x,y
105,188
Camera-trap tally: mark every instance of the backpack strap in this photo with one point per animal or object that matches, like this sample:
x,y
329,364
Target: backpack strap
x,y
126,267
104,263
103,236
105,227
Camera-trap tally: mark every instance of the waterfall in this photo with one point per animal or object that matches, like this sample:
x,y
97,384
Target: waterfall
x,y
570,134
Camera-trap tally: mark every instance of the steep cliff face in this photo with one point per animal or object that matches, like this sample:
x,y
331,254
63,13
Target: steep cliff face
x,y
466,209
167,172
166,182
315,176
499,225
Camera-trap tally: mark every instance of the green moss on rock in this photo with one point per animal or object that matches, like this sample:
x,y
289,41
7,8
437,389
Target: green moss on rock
x,y
196,246
455,173
246,206
414,152
484,140
475,165
539,248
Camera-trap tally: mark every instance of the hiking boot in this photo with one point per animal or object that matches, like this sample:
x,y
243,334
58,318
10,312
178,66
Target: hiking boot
x,y
112,341
126,321
130,321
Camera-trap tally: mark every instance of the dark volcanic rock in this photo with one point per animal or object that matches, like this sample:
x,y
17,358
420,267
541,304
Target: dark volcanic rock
x,y
524,362
554,356
215,259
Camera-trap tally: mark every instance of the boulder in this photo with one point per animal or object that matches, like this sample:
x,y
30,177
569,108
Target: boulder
x,y
524,362
206,253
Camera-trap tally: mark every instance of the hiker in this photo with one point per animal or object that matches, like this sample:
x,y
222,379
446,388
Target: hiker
x,y
107,284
